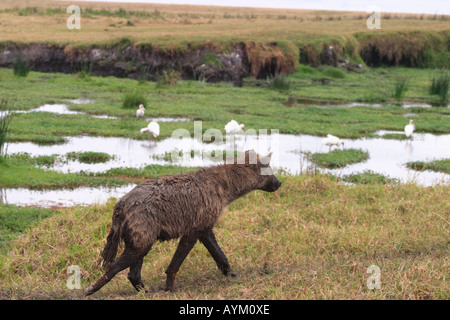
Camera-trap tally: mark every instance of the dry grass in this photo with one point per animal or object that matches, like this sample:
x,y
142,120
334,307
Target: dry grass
x,y
313,239
172,24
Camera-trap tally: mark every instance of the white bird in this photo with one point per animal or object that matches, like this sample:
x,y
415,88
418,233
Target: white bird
x,y
409,129
152,128
140,111
234,127
331,140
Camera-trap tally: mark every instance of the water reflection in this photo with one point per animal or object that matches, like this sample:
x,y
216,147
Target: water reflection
x,y
387,156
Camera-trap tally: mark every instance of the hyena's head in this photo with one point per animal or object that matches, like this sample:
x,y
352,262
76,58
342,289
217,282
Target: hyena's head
x,y
261,171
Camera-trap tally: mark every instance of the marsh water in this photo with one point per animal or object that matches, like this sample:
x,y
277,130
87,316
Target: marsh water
x,y
386,156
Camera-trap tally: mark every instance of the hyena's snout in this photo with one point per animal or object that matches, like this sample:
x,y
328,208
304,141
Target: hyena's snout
x,y
273,184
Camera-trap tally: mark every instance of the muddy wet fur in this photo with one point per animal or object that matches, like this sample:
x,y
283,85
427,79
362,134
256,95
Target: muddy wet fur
x,y
187,206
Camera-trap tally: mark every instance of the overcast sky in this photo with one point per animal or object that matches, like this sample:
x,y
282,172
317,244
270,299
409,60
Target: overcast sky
x,y
408,6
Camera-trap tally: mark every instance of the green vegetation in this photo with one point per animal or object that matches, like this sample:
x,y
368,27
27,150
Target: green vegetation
x,y
400,88
15,220
134,99
5,120
442,165
168,77
368,177
333,72
296,110
85,71
440,87
46,161
21,171
23,157
312,239
143,74
21,67
89,157
278,82
424,49
338,158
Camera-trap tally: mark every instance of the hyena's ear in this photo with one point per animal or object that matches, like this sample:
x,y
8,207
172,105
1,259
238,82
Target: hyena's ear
x,y
249,157
265,161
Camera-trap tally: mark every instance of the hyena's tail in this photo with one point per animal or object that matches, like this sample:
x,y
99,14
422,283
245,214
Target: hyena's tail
x,y
115,235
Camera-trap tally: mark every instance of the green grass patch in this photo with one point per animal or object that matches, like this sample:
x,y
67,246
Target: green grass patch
x,y
89,157
338,158
305,69
333,72
442,165
15,220
19,170
16,173
368,177
24,157
134,99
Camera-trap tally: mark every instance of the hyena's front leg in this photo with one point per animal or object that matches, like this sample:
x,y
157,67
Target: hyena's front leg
x,y
209,241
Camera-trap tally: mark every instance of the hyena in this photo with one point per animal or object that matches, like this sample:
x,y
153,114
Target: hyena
x,y
185,205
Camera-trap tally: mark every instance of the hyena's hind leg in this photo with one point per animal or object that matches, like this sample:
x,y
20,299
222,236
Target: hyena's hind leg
x,y
131,258
135,275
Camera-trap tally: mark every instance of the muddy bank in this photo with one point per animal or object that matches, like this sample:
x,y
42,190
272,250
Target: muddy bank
x,y
232,62
147,62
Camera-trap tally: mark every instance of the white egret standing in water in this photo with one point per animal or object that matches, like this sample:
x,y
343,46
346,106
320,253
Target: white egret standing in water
x,y
331,140
152,129
409,128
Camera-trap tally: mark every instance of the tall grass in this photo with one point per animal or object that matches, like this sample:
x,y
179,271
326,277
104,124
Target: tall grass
x,y
400,88
439,86
168,77
5,120
441,165
278,82
143,74
21,67
134,99
85,70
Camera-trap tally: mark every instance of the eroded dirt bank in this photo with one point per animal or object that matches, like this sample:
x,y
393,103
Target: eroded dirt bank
x,y
232,62
147,62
